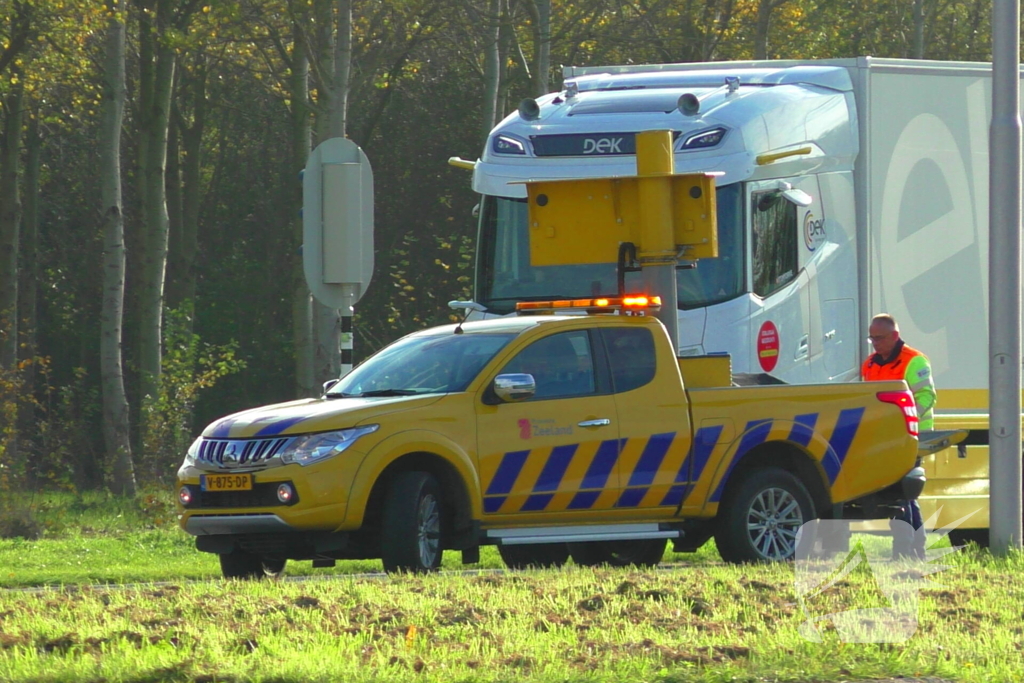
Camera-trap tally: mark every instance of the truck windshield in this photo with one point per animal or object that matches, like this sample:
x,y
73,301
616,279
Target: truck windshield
x,y
432,364
505,276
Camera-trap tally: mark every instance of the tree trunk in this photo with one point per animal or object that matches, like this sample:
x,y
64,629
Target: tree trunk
x,y
181,285
28,315
10,220
155,110
542,48
302,324
115,403
192,144
918,47
10,226
174,219
492,67
762,25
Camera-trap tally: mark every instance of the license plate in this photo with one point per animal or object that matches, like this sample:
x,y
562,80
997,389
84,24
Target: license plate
x,y
226,482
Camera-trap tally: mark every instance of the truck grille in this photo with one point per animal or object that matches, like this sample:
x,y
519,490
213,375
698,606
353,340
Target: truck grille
x,y
239,452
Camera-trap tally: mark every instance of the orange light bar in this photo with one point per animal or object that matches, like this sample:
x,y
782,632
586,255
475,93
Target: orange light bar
x,y
632,302
641,301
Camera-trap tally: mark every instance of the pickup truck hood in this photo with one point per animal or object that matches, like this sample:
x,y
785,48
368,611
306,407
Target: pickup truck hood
x,y
312,415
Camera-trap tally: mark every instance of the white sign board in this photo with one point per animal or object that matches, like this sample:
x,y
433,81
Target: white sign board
x,y
337,223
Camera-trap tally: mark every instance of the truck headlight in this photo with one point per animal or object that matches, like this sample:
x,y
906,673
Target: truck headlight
x,y
193,451
306,450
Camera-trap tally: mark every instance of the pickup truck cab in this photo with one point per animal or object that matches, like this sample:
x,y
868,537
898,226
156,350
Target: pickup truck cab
x,y
551,436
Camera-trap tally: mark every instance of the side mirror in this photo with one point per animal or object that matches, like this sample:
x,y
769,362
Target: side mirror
x,y
515,387
329,383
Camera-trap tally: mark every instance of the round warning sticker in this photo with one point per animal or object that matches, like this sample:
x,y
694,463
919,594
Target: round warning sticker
x,y
768,346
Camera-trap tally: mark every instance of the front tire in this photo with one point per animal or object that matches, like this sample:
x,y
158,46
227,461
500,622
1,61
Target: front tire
x,y
760,517
239,564
639,553
411,534
534,555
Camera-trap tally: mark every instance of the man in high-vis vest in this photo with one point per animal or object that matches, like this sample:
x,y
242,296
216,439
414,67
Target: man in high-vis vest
x,y
893,360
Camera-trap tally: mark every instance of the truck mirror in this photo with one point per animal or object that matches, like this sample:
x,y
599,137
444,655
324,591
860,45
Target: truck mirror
x,y
515,387
798,197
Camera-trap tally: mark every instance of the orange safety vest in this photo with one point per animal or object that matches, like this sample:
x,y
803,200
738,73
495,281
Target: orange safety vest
x,y
875,371
912,366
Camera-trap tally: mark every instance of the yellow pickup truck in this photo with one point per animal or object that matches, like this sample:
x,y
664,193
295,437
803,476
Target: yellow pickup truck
x,y
551,436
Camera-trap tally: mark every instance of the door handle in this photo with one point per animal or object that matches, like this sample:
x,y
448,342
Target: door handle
x,y
802,348
600,422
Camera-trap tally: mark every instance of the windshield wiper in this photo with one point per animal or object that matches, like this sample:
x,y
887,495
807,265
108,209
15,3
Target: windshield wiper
x,y
385,392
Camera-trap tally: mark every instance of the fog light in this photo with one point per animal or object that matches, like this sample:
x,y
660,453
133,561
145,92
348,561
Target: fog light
x,y
185,495
285,493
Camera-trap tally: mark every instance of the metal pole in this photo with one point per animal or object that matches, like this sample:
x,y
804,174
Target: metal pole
x,y
1004,293
655,165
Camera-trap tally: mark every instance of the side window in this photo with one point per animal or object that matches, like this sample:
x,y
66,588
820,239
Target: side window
x,y
562,365
631,356
774,230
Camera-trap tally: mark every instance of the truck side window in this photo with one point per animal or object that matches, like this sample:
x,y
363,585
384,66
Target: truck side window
x,y
774,234
562,365
631,356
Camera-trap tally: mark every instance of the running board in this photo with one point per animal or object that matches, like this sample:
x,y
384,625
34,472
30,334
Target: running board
x,y
581,534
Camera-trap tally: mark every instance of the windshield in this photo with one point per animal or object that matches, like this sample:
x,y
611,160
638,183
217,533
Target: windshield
x,y
434,364
504,273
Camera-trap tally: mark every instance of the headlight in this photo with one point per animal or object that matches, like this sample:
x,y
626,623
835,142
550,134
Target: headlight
x,y
193,451
306,450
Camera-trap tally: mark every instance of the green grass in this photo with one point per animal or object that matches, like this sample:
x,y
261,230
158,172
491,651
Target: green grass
x,y
704,622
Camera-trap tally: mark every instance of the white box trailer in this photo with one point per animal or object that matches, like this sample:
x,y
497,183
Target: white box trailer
x,y
848,187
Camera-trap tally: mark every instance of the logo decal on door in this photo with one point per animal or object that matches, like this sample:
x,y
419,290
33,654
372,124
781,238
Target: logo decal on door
x,y
768,346
531,428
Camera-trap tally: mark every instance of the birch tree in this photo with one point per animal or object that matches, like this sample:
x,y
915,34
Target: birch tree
x,y
492,66
115,403
156,78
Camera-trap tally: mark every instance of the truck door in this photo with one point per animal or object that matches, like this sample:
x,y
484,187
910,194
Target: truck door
x,y
654,423
555,453
780,324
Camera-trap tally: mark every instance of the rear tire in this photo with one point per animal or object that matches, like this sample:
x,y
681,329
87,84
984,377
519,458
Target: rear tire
x,y
639,553
759,518
239,564
534,555
965,536
411,537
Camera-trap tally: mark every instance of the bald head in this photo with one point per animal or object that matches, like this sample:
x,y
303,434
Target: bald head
x,y
885,332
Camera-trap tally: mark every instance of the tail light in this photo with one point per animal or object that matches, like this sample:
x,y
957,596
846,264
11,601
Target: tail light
x,y
905,400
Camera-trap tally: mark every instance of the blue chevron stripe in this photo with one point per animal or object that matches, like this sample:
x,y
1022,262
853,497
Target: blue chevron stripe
x,y
279,426
504,479
755,433
554,469
803,428
650,460
597,474
602,465
550,477
584,500
847,425
630,498
704,442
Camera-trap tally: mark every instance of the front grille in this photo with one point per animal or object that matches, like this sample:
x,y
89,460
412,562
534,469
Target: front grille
x,y
238,452
261,496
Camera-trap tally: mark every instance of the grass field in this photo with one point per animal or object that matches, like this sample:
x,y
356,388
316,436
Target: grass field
x,y
693,619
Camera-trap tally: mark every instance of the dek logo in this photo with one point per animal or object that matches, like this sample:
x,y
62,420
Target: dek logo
x,y
814,231
602,146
